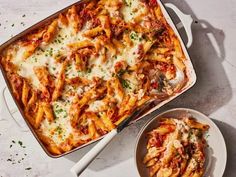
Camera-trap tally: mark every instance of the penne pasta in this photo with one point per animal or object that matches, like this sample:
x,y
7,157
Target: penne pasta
x,y
25,93
93,32
176,149
39,116
51,31
81,74
60,82
80,45
48,111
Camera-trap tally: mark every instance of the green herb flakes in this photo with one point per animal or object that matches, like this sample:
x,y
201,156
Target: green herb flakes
x,y
59,130
133,35
20,143
125,83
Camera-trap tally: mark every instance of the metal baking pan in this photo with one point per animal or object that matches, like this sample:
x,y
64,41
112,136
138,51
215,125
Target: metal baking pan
x,y
186,22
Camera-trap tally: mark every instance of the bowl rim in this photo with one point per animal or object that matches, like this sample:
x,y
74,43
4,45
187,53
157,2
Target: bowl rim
x,y
178,109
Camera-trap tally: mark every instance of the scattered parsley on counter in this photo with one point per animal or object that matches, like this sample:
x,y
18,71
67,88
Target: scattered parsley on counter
x,y
29,168
20,143
23,15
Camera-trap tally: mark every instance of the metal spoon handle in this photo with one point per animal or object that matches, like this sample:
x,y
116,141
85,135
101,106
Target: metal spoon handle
x,y
83,163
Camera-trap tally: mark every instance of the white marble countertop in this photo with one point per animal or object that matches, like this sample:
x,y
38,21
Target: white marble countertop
x,y
213,54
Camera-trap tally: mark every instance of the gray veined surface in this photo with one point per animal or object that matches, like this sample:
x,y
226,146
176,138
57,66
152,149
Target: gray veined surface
x,y
214,93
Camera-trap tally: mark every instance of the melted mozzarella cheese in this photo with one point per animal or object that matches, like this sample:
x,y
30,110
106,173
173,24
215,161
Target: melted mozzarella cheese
x,y
132,9
26,66
60,129
179,77
132,82
46,53
96,106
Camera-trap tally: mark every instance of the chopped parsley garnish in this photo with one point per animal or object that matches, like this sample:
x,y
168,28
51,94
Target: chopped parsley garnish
x,y
51,52
121,72
35,59
89,70
103,70
13,141
127,2
58,55
20,143
69,67
23,15
41,49
65,116
59,111
29,168
57,41
59,130
125,83
134,36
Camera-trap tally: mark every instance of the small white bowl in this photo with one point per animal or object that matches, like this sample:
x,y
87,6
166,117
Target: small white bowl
x,y
216,154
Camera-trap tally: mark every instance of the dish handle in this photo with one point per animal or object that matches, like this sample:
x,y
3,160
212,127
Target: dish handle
x,y
186,22
5,107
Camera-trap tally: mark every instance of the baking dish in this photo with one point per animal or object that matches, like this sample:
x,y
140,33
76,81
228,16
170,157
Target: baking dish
x,y
190,70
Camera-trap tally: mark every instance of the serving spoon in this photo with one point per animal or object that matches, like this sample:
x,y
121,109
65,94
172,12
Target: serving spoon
x,y
83,163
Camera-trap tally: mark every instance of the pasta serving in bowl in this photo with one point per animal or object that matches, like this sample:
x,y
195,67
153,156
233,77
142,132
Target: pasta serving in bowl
x,y
176,148
180,142
76,77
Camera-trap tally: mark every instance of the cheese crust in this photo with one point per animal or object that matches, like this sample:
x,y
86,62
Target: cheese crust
x,y
79,76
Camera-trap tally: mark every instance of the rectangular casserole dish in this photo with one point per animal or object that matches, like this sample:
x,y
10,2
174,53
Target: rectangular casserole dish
x,y
189,68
